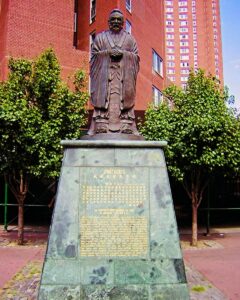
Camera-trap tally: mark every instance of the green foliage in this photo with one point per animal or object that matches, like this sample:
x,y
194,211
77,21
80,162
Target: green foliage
x,y
203,134
199,288
36,111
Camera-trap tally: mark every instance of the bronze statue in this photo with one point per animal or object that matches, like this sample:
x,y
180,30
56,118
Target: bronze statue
x,y
113,71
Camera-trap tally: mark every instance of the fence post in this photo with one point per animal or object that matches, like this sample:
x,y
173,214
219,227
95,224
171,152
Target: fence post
x,y
5,205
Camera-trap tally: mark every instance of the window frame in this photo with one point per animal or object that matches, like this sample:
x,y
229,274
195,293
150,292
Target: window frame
x,y
93,9
128,26
157,96
129,5
157,63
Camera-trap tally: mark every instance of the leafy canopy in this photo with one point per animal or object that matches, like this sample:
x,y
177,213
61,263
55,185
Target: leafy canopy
x,y
202,133
36,111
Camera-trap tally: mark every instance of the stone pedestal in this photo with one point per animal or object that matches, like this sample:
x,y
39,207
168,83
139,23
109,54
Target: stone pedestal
x,y
114,233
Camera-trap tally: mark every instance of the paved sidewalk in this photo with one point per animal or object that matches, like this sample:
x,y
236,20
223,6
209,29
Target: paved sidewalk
x,y
13,259
213,270
221,266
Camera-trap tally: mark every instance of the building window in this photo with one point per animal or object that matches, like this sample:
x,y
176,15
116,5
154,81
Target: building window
x,y
182,3
92,38
170,71
170,36
157,63
170,50
169,16
184,86
183,29
157,96
184,50
170,57
128,27
92,10
183,17
75,25
183,9
184,64
184,78
185,71
129,5
184,57
183,36
184,43
183,23
171,64
172,78
170,43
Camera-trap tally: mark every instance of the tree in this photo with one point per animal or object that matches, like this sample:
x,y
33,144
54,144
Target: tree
x,y
36,111
202,133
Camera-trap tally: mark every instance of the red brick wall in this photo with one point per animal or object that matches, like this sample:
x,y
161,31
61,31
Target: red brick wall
x,y
3,35
35,25
147,28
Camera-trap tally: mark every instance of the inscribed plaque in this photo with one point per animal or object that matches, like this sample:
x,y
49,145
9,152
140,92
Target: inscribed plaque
x,y
113,212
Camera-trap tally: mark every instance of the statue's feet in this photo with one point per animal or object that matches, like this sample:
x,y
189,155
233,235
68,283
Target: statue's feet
x,y
101,128
126,128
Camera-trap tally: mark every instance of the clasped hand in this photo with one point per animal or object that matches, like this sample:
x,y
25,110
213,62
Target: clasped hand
x,y
116,52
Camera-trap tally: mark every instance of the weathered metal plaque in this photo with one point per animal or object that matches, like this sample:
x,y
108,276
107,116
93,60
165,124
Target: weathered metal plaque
x,y
113,218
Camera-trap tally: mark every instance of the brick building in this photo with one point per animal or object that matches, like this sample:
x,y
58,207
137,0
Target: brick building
x,y
28,27
193,38
172,36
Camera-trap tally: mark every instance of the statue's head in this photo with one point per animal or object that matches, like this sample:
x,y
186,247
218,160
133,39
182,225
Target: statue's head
x,y
116,20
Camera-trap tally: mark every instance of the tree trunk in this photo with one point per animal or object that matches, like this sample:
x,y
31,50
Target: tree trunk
x,y
18,183
23,187
194,224
195,185
20,223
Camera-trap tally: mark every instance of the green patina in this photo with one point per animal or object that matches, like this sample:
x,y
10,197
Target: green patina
x,y
147,267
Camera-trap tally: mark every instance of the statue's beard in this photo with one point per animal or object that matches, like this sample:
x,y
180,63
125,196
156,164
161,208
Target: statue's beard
x,y
115,28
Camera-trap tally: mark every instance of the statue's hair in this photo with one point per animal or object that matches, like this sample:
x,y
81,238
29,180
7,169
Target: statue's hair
x,y
116,10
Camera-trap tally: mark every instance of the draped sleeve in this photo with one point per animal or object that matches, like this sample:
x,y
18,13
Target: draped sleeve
x,y
130,70
99,66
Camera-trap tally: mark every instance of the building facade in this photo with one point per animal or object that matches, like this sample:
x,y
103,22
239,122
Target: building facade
x,y
193,38
29,27
172,36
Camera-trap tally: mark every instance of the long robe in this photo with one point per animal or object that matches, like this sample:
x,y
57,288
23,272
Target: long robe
x,y
100,67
